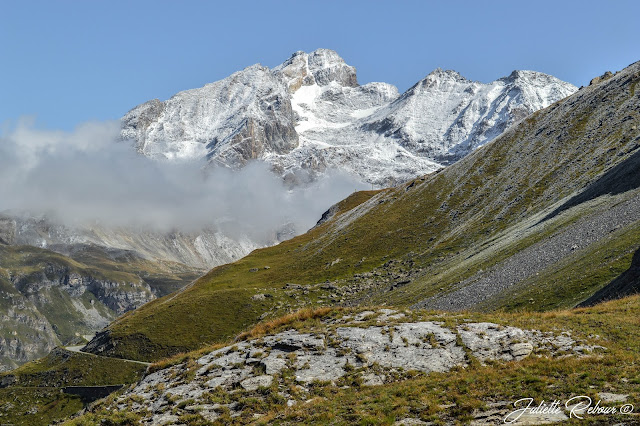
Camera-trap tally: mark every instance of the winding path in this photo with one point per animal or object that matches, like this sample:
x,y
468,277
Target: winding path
x,y
77,349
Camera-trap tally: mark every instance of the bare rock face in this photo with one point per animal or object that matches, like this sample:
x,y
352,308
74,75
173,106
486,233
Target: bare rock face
x,y
7,230
321,67
117,296
25,335
345,351
54,306
243,117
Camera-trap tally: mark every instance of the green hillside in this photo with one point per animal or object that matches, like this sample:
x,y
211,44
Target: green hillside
x,y
545,179
31,395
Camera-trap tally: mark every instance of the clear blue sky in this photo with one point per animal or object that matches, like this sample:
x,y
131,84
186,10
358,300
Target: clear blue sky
x,y
66,62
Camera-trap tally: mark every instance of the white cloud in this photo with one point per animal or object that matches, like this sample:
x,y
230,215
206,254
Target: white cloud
x,y
88,175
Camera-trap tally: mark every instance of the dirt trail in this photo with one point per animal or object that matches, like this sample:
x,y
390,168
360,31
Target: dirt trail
x,y
77,349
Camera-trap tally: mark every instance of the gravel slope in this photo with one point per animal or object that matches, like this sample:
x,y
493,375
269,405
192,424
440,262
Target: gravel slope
x,y
485,285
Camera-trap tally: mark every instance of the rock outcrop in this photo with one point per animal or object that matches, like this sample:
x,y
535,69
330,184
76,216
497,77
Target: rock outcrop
x,y
371,347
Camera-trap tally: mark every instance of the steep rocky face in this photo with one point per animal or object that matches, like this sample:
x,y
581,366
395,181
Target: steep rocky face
x,y
43,305
310,114
240,118
118,297
321,67
25,333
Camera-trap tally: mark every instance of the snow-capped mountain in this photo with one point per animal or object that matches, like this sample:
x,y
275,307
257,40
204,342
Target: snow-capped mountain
x,y
445,116
310,114
242,117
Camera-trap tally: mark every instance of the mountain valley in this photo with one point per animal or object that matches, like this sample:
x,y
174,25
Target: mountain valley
x,y
306,118
499,261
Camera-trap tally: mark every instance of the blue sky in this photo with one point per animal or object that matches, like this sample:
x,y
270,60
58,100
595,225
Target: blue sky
x,y
66,62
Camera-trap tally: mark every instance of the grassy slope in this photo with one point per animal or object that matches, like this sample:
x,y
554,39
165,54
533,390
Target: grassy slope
x,y
35,398
438,220
451,398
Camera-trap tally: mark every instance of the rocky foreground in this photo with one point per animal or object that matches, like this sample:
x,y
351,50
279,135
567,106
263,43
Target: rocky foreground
x,y
369,348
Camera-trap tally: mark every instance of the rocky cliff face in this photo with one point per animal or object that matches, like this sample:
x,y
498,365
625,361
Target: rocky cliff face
x,y
25,335
310,114
45,305
118,297
320,67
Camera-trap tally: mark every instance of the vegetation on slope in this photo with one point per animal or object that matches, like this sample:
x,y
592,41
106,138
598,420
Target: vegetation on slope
x,y
31,394
428,226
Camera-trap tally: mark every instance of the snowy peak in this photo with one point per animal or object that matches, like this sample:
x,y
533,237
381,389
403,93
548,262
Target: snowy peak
x,y
439,75
445,116
327,66
531,77
309,114
437,80
231,121
320,67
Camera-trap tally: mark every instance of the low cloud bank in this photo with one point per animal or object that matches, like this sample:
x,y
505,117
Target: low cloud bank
x,y
88,176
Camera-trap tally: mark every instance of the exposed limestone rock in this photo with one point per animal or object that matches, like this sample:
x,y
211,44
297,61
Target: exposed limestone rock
x,y
348,350
253,383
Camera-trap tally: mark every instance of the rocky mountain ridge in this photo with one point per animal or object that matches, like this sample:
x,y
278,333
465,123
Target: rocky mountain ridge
x,y
310,114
